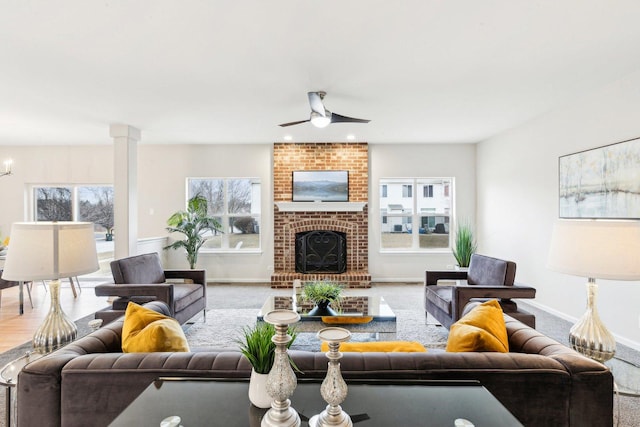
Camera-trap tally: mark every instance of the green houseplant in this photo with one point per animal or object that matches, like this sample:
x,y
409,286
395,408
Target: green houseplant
x,y
257,347
465,244
194,223
322,293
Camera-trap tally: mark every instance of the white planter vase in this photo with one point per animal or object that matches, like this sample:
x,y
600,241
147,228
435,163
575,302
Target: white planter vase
x,y
258,390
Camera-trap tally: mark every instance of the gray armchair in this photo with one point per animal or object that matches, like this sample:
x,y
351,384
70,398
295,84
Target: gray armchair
x,y
486,278
141,279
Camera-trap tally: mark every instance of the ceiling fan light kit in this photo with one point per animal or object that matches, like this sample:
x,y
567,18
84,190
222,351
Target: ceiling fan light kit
x,y
320,117
320,121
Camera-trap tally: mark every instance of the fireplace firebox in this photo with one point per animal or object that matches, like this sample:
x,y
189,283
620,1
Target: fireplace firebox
x,y
321,251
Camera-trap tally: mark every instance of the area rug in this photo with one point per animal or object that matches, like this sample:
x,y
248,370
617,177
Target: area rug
x,y
223,328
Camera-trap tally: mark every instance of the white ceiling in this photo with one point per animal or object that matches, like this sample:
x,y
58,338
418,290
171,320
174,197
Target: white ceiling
x,y
215,71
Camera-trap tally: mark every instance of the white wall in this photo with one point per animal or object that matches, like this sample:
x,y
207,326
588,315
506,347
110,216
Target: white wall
x,y
417,160
162,173
518,199
88,164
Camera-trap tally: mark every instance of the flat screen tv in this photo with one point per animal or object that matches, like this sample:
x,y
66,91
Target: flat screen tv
x,y
320,186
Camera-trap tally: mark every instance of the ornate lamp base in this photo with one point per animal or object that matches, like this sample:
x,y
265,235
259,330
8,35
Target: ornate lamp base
x,y
589,336
57,329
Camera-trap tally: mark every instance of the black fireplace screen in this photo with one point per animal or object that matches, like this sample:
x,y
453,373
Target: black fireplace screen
x,y
321,251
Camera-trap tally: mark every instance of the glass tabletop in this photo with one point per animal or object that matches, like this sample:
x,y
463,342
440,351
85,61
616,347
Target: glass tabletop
x,y
626,376
372,307
207,402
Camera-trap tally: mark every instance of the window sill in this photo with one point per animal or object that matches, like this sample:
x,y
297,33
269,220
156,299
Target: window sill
x,y
211,252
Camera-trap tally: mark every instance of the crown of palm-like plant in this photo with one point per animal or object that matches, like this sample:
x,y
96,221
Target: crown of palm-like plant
x,y
194,224
465,244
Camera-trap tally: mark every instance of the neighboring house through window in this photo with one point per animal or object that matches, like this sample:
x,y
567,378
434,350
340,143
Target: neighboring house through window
x,y
415,223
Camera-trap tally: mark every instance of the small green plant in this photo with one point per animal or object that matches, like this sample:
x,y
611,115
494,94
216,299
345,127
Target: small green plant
x,y
322,290
257,346
194,223
465,244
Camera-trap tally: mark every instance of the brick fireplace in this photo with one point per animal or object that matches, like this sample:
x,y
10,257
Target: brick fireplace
x,y
350,218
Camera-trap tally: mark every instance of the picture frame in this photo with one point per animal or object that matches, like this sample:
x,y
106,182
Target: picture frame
x,y
320,186
602,182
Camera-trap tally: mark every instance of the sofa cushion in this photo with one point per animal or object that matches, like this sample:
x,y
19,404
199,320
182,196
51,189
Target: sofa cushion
x,y
144,269
378,347
145,331
482,329
485,270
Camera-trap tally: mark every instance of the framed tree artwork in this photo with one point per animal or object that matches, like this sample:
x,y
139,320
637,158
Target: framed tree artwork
x,y
603,182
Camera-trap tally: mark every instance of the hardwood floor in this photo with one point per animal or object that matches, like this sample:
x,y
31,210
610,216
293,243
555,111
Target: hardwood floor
x,y
17,329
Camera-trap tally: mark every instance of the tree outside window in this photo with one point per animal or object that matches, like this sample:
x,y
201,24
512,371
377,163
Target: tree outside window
x,y
91,203
235,203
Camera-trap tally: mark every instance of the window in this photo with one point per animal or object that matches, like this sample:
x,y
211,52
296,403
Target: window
x,y
235,203
383,191
415,223
91,203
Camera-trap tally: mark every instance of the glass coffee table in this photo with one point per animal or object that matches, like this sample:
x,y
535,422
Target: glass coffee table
x,y
359,314
208,402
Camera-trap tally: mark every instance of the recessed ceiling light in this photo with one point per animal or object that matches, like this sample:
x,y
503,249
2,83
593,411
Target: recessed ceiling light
x,y
351,137
288,138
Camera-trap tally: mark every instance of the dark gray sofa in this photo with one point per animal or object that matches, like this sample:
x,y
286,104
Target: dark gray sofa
x,y
543,383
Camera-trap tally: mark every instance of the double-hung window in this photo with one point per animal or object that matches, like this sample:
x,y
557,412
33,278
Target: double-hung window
x,y
92,203
235,204
415,220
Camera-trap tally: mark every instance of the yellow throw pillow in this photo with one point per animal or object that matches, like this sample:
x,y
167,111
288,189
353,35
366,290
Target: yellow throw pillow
x,y
146,331
378,346
482,329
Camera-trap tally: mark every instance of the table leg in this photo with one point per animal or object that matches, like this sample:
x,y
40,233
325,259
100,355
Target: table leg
x,y
8,406
21,297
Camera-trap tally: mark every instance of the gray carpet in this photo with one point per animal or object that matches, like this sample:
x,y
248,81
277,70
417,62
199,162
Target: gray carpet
x,y
224,326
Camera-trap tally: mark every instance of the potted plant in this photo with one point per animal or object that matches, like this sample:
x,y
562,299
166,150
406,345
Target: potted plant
x,y
257,347
465,244
322,293
194,223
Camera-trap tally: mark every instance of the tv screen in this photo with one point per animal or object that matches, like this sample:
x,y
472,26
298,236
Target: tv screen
x,y
320,186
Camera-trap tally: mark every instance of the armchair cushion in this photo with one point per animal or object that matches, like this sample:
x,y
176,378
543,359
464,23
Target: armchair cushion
x,y
487,271
482,329
138,269
146,330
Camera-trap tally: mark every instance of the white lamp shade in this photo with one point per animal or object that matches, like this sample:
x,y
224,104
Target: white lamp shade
x,y
596,249
50,250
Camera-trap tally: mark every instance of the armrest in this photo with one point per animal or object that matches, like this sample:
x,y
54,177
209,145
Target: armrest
x,y
463,293
160,291
198,276
432,276
495,291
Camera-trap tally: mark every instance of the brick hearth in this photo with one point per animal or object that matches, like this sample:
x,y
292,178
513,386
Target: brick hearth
x,y
323,156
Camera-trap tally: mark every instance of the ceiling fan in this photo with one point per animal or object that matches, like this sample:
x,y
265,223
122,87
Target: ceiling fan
x,y
321,117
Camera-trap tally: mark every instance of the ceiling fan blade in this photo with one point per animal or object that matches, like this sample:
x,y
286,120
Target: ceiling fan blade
x,y
293,123
337,118
315,100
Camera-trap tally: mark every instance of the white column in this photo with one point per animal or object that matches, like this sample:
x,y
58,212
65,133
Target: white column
x,y
125,189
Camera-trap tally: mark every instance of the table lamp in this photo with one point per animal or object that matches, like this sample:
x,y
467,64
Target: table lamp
x,y
49,251
595,249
